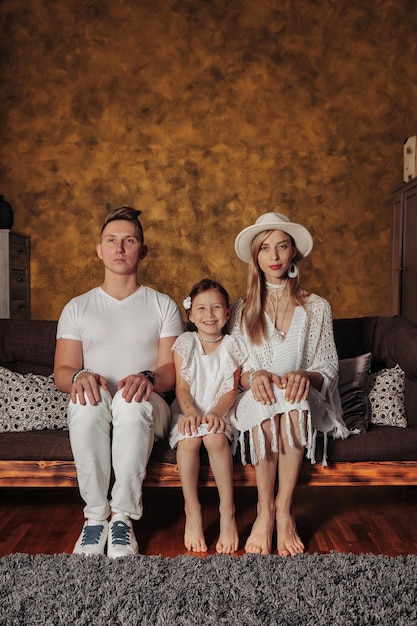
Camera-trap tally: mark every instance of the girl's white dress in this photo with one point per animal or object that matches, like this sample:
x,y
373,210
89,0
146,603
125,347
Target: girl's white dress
x,y
309,345
209,375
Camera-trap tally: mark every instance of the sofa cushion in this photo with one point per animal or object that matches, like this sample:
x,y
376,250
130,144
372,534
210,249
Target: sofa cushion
x,y
54,445
354,336
353,389
30,402
399,345
386,397
35,445
28,346
379,443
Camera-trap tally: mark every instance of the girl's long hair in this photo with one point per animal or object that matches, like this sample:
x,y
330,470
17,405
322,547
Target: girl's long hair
x,y
255,301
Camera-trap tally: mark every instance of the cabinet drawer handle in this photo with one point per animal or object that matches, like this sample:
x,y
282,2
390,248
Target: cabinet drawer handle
x,y
20,280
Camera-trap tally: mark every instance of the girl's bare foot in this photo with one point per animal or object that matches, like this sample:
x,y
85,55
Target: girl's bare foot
x,y
228,541
260,539
193,533
289,542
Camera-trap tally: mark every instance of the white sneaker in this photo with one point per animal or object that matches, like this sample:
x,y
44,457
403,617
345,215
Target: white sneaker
x,y
93,538
122,540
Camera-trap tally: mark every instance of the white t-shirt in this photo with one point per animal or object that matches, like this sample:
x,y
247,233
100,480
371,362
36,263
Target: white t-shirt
x,y
120,337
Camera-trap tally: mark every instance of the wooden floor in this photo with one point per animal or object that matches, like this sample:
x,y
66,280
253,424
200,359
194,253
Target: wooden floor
x,y
375,520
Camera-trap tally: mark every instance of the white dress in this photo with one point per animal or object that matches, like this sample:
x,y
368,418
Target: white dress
x,y
210,376
309,345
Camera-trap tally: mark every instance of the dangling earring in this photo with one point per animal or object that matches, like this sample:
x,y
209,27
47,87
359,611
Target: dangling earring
x,y
293,271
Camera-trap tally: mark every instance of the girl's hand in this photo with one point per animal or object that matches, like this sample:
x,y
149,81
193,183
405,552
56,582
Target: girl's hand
x,y
296,385
261,386
189,423
215,423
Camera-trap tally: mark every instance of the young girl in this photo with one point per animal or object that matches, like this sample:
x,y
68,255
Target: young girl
x,y
207,364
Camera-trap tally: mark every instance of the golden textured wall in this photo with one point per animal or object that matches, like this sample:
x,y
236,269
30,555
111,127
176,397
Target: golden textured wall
x,y
205,114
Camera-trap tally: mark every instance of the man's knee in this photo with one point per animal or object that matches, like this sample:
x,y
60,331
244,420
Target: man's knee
x,y
132,412
88,415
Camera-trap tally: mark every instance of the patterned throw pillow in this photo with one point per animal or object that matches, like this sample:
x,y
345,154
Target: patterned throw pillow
x,y
30,402
386,397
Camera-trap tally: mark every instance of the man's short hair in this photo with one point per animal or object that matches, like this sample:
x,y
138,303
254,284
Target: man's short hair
x,y
125,213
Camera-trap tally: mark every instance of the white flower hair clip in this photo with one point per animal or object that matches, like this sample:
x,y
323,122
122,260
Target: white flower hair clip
x,y
187,303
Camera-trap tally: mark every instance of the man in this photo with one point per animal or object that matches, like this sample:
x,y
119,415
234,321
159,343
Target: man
x,y
113,355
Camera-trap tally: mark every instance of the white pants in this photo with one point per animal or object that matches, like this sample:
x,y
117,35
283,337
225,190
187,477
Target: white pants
x,y
120,435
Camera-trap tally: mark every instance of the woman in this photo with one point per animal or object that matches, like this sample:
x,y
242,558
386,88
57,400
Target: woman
x,y
291,375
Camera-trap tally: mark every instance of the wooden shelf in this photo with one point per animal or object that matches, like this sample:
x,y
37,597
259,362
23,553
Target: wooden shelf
x,y
14,275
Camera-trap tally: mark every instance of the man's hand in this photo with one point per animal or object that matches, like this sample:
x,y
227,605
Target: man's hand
x,y
87,387
135,387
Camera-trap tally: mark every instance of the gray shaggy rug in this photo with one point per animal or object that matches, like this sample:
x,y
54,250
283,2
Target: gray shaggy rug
x,y
317,589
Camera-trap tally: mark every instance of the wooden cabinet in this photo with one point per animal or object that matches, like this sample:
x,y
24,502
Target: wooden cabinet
x,y
14,275
403,293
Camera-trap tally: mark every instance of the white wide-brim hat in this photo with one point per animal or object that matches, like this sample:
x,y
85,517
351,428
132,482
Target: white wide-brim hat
x,y
274,221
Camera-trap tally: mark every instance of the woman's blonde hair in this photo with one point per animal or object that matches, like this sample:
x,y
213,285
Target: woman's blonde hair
x,y
254,306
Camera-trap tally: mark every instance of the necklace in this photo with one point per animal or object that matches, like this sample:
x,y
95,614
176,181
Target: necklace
x,y
275,287
274,301
216,340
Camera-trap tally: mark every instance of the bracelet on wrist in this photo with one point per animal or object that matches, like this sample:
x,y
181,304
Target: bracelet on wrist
x,y
79,372
251,377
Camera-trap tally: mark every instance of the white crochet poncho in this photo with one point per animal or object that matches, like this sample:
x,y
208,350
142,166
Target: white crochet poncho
x,y
311,334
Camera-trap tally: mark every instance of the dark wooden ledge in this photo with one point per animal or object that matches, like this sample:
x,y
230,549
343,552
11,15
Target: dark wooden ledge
x,y
62,474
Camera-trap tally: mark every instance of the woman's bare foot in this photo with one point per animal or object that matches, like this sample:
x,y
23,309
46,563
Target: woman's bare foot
x,y
193,534
289,542
260,539
228,541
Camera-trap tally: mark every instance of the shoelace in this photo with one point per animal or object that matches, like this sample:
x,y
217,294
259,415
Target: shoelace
x,y
120,534
91,535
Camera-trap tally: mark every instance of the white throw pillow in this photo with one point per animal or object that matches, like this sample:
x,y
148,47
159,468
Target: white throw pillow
x,y
30,402
386,397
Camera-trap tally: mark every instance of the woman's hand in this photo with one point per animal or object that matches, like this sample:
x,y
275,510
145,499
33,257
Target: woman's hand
x,y
261,383
296,385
